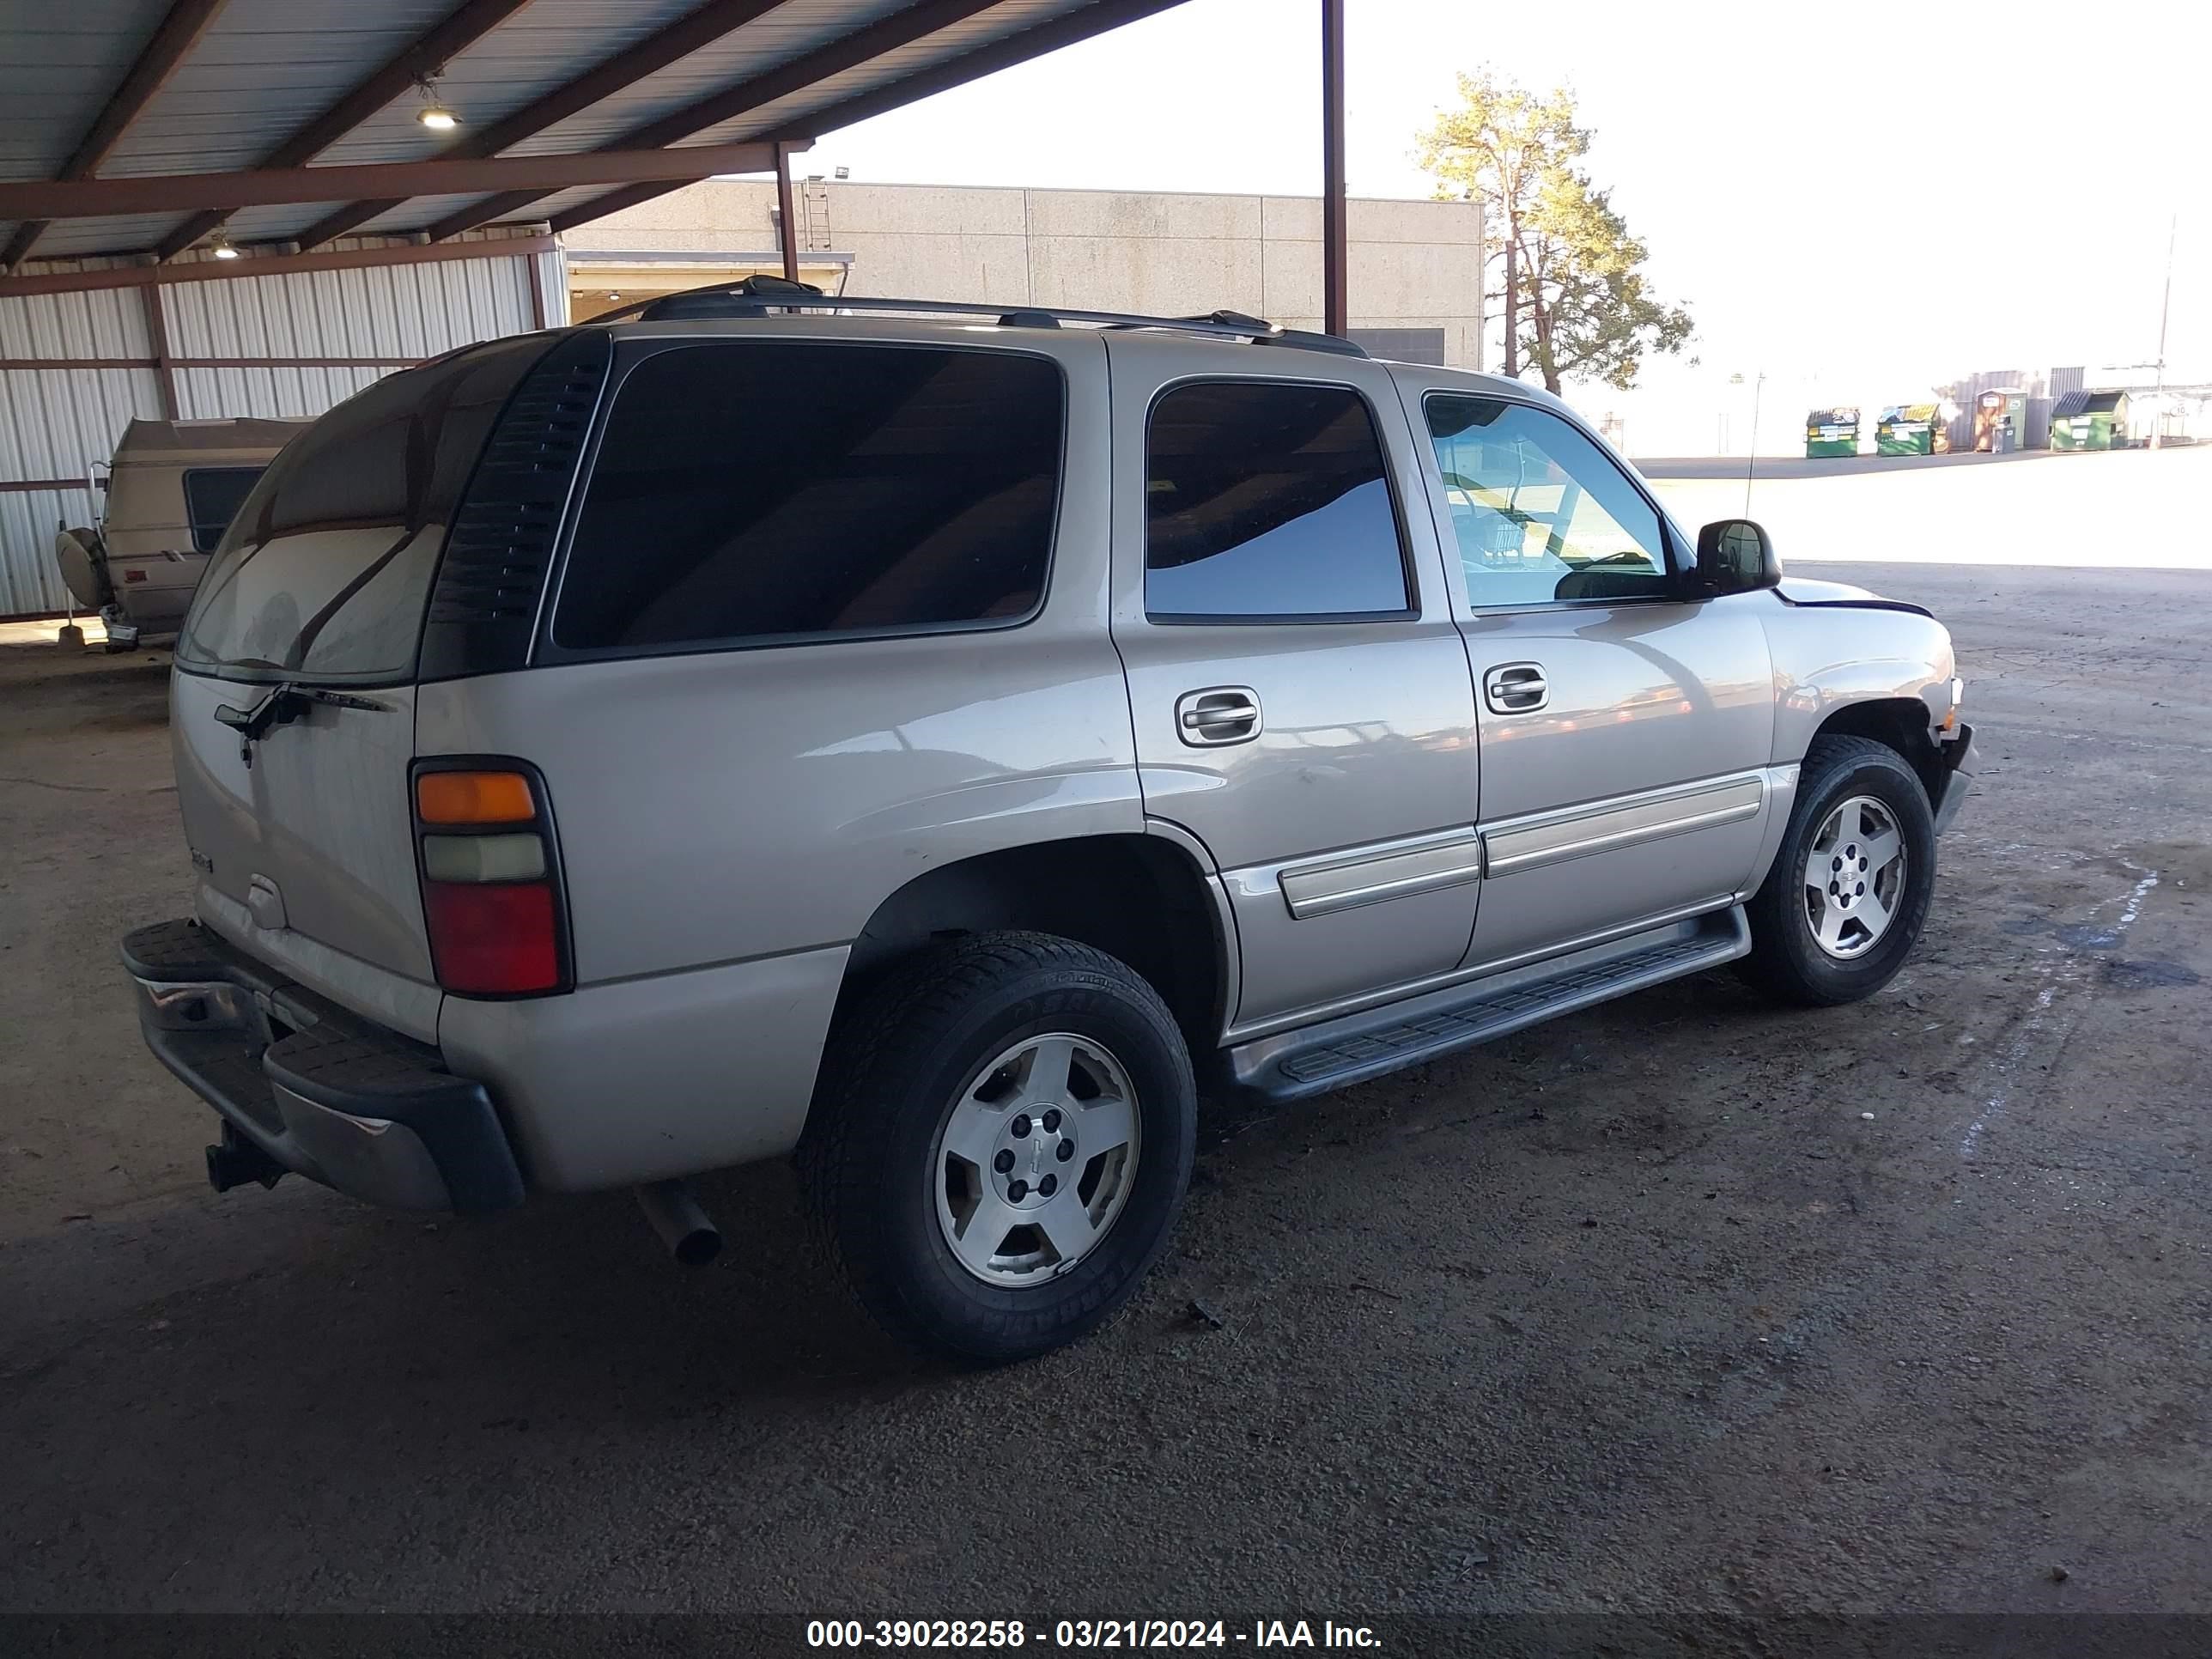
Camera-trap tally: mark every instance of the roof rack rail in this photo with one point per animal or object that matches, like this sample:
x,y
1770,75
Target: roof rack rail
x,y
759,296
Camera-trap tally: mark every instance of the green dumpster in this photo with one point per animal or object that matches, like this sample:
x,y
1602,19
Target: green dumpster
x,y
1831,432
2090,420
1911,429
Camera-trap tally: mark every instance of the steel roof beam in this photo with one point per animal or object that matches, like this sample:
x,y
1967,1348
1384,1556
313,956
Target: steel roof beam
x,y
687,35
1045,38
173,37
885,34
275,264
95,198
469,22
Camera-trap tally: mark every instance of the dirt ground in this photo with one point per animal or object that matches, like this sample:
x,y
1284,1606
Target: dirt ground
x,y
1685,1307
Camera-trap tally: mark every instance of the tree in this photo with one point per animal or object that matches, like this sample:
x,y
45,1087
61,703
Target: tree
x,y
1576,302
1591,314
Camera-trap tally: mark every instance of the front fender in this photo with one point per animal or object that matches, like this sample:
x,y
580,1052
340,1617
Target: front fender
x,y
1828,658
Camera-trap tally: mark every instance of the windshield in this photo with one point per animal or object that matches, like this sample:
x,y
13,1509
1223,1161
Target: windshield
x,y
325,571
213,495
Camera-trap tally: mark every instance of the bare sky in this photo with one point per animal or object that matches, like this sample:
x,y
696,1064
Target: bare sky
x,y
1905,189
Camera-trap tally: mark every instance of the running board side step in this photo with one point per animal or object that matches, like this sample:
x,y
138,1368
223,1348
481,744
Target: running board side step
x,y
1354,1048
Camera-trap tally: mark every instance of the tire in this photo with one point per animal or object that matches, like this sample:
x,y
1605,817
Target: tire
x,y
1788,961
905,1077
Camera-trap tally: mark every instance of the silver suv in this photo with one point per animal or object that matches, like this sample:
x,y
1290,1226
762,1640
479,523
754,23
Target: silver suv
x,y
944,743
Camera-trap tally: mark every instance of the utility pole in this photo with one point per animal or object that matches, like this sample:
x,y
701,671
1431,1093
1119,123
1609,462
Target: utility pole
x,y
2164,305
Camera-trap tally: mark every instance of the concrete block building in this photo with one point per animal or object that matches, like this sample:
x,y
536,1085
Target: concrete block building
x,y
1415,267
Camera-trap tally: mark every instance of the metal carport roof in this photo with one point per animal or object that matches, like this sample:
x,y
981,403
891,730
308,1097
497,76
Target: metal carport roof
x,y
206,95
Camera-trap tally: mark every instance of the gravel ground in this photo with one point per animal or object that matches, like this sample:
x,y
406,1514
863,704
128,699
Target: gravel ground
x,y
1685,1306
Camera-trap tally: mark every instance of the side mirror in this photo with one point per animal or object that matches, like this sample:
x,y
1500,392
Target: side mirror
x,y
1734,556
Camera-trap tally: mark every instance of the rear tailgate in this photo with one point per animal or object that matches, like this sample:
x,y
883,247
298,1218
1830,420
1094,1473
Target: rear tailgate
x,y
306,855
301,833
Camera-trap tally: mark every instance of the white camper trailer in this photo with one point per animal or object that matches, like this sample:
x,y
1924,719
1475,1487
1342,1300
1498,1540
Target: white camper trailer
x,y
168,496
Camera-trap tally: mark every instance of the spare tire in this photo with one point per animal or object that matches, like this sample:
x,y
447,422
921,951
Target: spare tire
x,y
83,561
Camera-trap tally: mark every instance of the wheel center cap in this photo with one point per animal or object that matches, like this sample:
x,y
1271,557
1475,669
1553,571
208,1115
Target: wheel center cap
x,y
1036,1157
1848,871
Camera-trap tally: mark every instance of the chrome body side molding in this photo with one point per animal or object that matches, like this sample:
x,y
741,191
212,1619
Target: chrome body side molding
x,y
1542,838
1420,864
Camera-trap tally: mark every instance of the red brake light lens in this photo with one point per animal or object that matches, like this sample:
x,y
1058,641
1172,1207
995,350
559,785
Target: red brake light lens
x,y
492,903
497,939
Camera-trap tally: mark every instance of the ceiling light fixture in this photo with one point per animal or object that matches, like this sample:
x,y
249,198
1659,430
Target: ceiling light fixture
x,y
220,247
435,113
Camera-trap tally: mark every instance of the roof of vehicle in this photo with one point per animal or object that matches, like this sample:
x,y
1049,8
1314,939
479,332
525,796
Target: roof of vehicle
x,y
190,440
801,310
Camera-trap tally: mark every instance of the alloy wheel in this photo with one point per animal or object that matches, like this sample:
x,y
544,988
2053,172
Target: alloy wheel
x,y
1035,1159
1855,876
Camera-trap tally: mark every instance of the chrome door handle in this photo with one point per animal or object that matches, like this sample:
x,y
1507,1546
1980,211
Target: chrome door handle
x,y
1516,688
1220,714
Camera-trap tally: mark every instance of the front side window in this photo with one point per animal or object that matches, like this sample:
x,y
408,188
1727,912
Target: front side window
x,y
764,491
1540,513
213,495
1268,502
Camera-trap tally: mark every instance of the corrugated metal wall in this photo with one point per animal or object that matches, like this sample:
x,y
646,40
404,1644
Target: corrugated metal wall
x,y
56,423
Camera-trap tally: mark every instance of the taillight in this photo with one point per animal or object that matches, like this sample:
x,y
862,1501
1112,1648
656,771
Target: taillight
x,y
490,874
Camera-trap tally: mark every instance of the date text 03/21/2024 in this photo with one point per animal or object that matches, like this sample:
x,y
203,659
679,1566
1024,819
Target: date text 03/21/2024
x,y
1085,1633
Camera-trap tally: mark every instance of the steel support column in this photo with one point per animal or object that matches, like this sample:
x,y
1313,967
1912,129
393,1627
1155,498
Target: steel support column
x,y
786,225
1335,312
165,371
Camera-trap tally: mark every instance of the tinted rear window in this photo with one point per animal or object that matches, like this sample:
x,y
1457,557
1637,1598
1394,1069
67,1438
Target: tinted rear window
x,y
1268,502
212,497
324,570
760,491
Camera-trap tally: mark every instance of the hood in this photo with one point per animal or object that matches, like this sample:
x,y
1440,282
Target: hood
x,y
1803,589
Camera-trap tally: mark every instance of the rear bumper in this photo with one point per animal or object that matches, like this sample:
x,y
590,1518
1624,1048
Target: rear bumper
x,y
330,1096
1959,760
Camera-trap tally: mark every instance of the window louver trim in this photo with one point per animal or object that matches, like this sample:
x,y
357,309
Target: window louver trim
x,y
493,574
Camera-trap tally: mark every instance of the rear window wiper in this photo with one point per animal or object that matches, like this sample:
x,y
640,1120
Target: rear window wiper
x,y
285,703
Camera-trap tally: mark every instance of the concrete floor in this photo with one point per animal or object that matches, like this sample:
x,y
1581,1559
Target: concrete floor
x,y
1635,1311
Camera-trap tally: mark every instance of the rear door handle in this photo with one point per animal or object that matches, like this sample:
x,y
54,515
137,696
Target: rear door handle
x,y
1516,688
1220,714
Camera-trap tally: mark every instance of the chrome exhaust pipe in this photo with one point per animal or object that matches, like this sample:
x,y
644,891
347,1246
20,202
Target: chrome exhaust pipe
x,y
692,1238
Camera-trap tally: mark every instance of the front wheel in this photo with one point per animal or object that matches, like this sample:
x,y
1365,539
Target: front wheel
x,y
1000,1144
1845,902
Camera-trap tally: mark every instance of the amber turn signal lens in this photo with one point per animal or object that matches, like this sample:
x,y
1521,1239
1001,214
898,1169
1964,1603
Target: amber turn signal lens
x,y
474,797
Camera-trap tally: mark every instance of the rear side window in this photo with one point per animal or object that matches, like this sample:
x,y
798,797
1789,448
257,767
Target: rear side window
x,y
1268,502
762,491
213,495
327,565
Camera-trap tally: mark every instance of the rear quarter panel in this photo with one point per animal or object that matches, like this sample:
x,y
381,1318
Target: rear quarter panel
x,y
743,803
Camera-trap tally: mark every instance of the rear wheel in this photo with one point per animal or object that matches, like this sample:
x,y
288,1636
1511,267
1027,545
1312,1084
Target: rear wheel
x,y
1000,1144
1845,902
